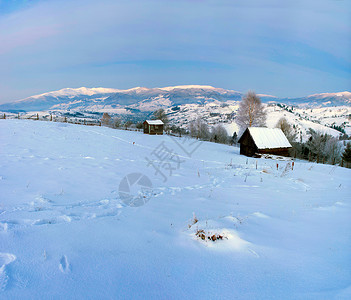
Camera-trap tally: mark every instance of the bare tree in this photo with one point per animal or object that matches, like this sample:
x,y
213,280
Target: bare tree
x,y
127,124
177,129
192,129
333,150
288,130
219,134
116,122
160,114
106,119
251,112
199,129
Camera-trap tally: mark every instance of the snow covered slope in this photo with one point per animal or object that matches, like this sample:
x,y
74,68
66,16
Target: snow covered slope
x,y
321,119
66,231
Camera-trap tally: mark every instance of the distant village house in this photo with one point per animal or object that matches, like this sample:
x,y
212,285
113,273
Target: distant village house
x,y
153,127
260,140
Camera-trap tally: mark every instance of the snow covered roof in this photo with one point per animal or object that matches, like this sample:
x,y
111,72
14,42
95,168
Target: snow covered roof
x,y
154,122
269,138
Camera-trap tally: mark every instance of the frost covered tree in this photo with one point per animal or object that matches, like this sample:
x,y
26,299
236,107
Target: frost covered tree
x,y
323,147
234,139
333,150
219,134
106,119
287,129
251,112
316,144
199,129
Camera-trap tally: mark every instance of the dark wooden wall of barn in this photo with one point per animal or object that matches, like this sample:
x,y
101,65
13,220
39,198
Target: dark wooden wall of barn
x,y
247,145
153,129
249,148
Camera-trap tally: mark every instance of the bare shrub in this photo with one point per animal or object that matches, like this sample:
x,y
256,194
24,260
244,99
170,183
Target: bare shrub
x,y
208,235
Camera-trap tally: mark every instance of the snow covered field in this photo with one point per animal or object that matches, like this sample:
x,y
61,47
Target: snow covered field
x,y
66,232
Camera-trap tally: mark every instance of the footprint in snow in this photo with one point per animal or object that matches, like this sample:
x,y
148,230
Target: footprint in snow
x,y
5,259
3,227
60,219
260,215
64,264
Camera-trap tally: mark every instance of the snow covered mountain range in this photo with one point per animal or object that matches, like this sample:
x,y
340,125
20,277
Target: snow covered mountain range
x,y
147,99
185,103
139,98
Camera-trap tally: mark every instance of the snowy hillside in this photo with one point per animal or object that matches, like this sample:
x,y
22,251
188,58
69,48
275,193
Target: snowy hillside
x,y
72,223
321,119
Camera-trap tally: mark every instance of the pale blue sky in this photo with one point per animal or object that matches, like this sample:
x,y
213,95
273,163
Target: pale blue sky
x,y
284,48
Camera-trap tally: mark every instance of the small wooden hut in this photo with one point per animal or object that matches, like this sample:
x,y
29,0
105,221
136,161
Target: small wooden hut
x,y
260,140
153,127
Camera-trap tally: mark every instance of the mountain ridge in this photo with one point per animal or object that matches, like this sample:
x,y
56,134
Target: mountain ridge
x,y
140,98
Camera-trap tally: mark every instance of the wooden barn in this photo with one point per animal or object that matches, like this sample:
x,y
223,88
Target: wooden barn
x,y
153,127
260,140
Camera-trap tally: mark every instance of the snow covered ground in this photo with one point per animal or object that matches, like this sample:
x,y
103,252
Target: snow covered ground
x,y
67,232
